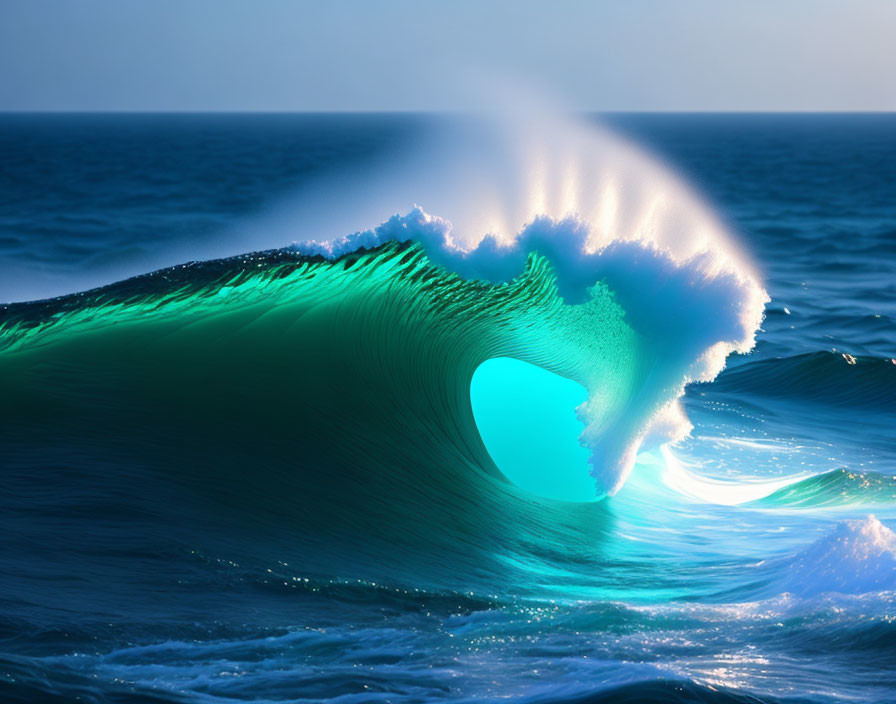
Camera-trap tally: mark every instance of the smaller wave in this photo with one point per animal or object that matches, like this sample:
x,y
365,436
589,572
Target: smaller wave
x,y
840,487
857,557
824,377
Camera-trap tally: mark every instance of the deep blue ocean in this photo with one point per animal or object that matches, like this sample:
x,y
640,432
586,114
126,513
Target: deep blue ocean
x,y
258,478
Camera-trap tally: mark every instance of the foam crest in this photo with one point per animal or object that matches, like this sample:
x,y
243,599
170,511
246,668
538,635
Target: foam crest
x,y
857,557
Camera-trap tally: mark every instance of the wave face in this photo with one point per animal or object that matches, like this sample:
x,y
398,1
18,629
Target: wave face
x,y
300,374
261,477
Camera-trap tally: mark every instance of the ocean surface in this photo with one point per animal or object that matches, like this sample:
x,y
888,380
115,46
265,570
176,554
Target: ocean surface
x,y
389,465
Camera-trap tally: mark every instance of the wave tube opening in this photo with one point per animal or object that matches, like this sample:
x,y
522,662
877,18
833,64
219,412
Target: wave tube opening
x,y
527,421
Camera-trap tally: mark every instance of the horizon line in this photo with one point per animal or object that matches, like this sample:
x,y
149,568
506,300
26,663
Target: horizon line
x,y
424,111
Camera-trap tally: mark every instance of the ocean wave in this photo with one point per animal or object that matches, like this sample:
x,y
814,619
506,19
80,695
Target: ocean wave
x,y
837,488
824,377
723,302
629,323
856,557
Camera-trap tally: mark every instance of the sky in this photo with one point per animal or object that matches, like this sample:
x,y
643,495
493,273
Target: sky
x,y
393,55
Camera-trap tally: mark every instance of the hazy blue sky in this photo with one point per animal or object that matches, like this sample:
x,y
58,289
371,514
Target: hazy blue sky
x,y
405,55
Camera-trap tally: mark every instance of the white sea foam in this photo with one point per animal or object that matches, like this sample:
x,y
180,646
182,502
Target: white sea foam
x,y
676,475
856,557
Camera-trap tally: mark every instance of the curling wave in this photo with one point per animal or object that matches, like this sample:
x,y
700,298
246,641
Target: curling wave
x,y
688,317
331,395
627,322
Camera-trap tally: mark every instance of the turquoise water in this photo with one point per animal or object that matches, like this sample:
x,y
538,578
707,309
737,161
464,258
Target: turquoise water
x,y
526,418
